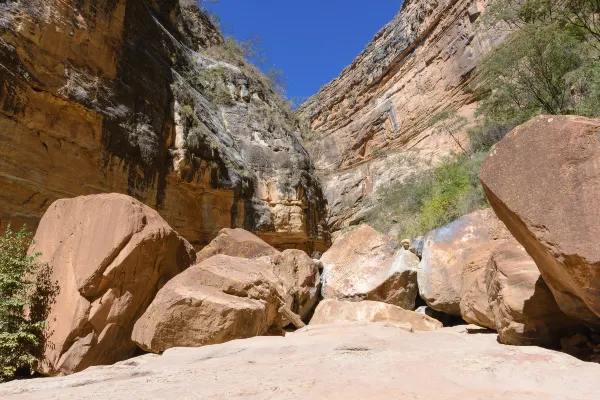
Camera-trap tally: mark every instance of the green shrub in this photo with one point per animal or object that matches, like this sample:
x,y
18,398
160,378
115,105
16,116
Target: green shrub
x,y
430,199
26,294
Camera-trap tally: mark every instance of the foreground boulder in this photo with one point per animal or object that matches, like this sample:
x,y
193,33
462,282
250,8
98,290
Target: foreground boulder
x,y
110,255
523,308
339,311
299,275
452,270
349,361
366,264
543,181
220,299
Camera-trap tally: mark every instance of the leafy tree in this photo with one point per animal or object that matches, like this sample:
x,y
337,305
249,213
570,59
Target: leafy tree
x,y
529,73
26,292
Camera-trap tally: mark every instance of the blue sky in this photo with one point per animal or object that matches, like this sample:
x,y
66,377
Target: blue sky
x,y
311,40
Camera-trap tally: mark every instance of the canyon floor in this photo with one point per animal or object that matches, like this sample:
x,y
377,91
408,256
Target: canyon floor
x,y
344,361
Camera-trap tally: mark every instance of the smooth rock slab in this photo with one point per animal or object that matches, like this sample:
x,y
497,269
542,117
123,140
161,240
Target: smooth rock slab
x,y
346,362
339,311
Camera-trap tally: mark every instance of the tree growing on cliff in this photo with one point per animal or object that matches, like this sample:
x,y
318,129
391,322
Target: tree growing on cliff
x,y
549,63
26,292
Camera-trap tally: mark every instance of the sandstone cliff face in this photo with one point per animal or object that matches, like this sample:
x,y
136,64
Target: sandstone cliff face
x,y
128,96
372,125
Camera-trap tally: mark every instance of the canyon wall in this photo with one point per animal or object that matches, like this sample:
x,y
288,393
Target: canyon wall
x,y
376,123
147,98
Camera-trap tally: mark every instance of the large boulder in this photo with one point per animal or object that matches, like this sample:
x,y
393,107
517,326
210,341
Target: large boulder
x,y
299,275
543,181
237,243
451,273
110,254
366,264
339,311
524,310
220,299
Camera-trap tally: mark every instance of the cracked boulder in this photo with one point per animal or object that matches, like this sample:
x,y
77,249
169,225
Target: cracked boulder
x,y
299,275
365,264
221,299
110,254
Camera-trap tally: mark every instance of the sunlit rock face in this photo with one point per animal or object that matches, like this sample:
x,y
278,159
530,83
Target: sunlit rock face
x,y
119,96
374,124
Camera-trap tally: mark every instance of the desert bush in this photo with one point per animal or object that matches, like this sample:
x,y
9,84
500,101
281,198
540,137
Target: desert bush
x,y
26,294
430,198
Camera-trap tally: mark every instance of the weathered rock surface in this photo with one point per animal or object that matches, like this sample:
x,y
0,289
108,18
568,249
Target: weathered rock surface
x,y
339,311
145,98
371,126
237,243
369,361
299,275
451,273
543,181
110,255
363,263
220,299
523,308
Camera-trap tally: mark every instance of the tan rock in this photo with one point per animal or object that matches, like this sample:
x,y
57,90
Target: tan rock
x,y
300,278
237,243
223,298
524,310
110,255
543,182
339,311
452,270
363,263
298,274
378,361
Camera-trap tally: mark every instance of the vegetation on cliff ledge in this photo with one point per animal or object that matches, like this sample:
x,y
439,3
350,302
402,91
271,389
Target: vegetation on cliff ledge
x,y
549,64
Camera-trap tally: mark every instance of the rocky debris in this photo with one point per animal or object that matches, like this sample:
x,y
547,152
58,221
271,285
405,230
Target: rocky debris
x,y
221,299
543,182
237,243
299,275
378,361
110,255
145,98
340,311
451,273
365,264
372,125
524,310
